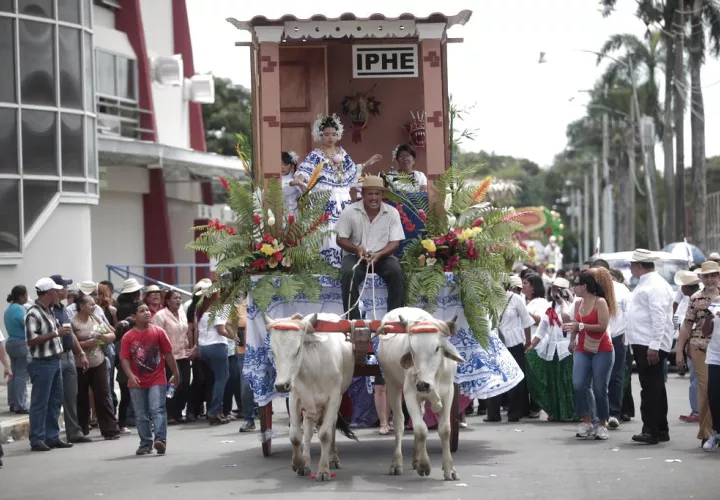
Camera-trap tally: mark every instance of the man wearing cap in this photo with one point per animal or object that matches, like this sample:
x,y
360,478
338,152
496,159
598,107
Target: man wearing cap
x,y
649,328
71,348
370,230
43,335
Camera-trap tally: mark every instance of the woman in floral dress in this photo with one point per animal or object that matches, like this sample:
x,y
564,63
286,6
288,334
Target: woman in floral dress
x,y
339,175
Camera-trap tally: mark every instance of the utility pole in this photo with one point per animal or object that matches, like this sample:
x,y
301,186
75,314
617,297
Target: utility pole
x,y
578,221
653,237
586,220
608,222
596,203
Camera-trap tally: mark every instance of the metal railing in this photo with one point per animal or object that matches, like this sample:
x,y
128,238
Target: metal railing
x,y
119,117
181,277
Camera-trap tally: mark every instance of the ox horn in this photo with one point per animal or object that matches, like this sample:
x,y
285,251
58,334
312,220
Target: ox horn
x,y
267,319
312,319
452,325
297,316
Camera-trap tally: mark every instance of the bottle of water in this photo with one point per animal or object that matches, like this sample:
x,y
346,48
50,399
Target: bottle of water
x,y
170,391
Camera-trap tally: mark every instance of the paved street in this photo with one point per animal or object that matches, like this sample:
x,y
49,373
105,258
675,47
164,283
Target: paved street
x,y
533,459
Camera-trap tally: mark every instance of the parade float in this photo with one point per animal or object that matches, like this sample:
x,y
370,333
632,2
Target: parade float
x,y
455,263
542,235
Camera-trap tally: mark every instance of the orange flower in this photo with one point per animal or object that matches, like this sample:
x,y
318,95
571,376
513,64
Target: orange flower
x,y
315,176
482,189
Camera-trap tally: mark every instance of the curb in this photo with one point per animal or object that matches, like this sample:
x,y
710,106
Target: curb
x,y
14,429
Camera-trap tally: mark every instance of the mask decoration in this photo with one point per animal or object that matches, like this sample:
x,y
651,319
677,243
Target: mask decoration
x,y
359,107
416,128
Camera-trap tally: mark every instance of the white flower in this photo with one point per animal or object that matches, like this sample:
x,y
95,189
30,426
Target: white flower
x,y
431,261
451,220
286,262
448,202
271,218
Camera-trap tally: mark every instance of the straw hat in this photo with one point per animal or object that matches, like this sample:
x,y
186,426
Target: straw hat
x,y
685,278
708,267
152,289
642,255
714,256
561,283
515,282
199,285
131,285
374,182
202,287
87,287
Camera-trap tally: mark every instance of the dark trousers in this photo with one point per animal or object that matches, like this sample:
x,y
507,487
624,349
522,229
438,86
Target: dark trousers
x,y
653,396
713,395
96,378
617,377
387,268
177,403
200,388
517,397
233,386
628,403
124,405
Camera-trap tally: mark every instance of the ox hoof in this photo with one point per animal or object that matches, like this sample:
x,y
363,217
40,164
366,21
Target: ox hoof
x,y
322,476
302,471
415,464
451,475
423,469
396,470
335,464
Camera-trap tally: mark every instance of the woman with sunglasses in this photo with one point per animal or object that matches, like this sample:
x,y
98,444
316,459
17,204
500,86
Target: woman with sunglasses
x,y
593,355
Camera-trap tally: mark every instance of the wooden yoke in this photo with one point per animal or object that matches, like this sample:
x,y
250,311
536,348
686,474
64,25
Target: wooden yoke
x,y
359,333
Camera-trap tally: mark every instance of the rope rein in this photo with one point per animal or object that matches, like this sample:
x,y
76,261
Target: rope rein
x,y
371,269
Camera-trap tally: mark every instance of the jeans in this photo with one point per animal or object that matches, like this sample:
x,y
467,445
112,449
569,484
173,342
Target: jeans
x,y
46,399
693,391
387,268
248,399
714,395
617,377
215,355
233,387
17,387
598,367
653,396
149,406
70,396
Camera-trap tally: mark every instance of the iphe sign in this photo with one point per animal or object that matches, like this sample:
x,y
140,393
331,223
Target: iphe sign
x,y
385,61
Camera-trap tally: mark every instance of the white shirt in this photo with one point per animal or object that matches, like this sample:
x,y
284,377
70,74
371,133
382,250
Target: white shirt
x,y
207,333
616,325
552,338
2,337
712,355
354,224
514,320
649,315
537,306
290,194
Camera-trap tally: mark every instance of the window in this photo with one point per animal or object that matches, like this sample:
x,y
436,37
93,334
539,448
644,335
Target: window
x,y
36,196
72,145
39,141
116,76
37,8
105,67
70,68
7,60
10,221
8,143
37,69
6,6
69,11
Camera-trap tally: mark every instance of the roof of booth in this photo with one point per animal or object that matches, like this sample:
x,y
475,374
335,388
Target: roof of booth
x,y
460,18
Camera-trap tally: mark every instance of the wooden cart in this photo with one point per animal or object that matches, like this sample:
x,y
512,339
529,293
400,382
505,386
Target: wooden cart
x,y
359,332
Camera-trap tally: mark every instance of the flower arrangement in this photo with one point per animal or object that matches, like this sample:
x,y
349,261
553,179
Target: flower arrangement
x,y
465,236
283,249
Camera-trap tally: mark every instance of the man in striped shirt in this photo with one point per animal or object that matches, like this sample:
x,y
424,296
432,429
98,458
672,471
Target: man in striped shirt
x,y
42,334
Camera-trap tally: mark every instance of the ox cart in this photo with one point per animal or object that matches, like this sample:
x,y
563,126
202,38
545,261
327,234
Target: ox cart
x,y
488,371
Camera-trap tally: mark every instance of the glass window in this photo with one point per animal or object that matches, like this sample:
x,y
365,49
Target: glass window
x,y
10,221
69,11
89,84
7,6
39,142
8,143
105,73
87,13
92,188
126,78
73,187
7,60
72,145
70,68
36,196
92,162
37,71
37,8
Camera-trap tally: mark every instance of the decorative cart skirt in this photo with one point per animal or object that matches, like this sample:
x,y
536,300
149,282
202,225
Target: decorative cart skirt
x,y
551,386
486,373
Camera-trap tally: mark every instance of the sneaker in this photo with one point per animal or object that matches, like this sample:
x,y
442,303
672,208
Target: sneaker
x,y
247,426
691,419
613,423
463,425
712,443
585,431
144,450
125,430
160,447
601,433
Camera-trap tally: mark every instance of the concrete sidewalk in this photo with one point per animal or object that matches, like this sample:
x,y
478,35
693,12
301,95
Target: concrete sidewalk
x,y
12,426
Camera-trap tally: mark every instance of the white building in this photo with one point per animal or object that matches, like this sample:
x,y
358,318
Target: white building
x,y
102,143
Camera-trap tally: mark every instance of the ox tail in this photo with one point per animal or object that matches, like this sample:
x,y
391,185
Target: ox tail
x,y
344,427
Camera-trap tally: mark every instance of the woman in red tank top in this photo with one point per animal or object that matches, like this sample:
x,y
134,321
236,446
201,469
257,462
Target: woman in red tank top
x,y
593,355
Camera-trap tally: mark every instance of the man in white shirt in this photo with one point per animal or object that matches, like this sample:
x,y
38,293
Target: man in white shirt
x,y
616,328
649,327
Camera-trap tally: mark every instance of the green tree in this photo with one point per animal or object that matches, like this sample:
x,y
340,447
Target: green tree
x,y
227,116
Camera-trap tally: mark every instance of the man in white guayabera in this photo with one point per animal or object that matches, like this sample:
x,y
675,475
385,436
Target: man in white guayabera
x,y
370,231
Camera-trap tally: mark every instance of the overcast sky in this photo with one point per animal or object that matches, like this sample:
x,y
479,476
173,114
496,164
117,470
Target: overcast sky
x,y
521,108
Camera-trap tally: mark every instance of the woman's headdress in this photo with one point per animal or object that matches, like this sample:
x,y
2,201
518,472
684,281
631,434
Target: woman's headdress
x,y
325,121
294,157
395,152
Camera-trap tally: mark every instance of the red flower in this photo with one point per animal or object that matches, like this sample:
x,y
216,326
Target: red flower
x,y
472,253
325,217
278,256
469,244
256,219
211,224
267,239
258,246
431,254
291,219
454,243
440,241
453,261
224,183
447,269
230,231
478,222
410,227
457,231
421,214
259,264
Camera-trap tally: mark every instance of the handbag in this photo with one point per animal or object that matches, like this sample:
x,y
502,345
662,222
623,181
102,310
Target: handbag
x,y
590,344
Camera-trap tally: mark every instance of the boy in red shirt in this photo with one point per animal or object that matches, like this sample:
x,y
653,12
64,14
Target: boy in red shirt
x,y
142,351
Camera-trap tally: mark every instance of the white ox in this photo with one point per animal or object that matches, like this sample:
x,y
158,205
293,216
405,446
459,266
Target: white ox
x,y
316,369
422,364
